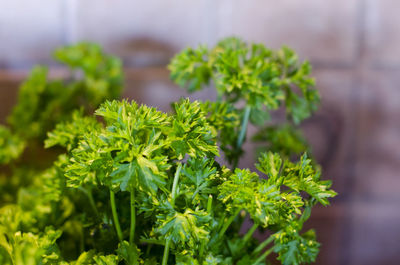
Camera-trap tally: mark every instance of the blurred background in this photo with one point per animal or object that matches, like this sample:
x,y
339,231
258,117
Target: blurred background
x,y
353,45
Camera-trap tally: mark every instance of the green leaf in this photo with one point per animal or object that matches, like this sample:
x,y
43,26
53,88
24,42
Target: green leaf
x,y
11,146
129,253
304,177
68,134
106,260
295,249
191,132
188,228
190,68
246,190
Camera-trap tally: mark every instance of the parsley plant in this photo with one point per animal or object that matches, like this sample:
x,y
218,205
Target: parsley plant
x,y
129,184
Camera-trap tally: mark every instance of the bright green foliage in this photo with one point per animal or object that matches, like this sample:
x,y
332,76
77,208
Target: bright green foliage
x,y
134,185
187,230
261,78
25,248
139,141
11,146
43,102
297,177
275,200
192,210
192,132
245,190
67,134
293,248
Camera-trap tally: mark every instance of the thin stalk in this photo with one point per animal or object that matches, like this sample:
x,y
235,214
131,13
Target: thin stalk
x,y
242,133
228,223
263,256
175,184
115,216
203,243
148,249
166,252
243,128
263,245
221,223
173,194
249,234
133,216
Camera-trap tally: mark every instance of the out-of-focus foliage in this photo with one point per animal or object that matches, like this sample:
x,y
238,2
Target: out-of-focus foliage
x,y
35,199
94,76
284,139
11,146
42,102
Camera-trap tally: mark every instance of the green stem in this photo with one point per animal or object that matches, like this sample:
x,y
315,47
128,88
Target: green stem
x,y
166,252
133,216
243,128
115,216
228,223
203,243
173,194
175,184
221,221
263,256
249,233
149,246
263,245
242,133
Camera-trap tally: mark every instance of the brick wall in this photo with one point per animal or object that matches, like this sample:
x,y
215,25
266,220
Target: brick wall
x,y
354,46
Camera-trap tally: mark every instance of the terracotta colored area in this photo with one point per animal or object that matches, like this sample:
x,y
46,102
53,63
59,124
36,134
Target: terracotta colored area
x,y
354,46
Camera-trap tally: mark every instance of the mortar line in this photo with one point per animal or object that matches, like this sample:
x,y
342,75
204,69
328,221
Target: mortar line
x,y
358,81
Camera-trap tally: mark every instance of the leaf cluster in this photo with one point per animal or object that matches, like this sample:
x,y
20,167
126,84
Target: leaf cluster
x,y
261,79
184,200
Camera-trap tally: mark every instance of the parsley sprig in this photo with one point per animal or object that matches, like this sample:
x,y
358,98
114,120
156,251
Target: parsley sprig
x,y
251,79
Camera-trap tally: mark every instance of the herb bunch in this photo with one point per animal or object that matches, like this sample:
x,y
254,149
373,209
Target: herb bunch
x,y
135,185
251,82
